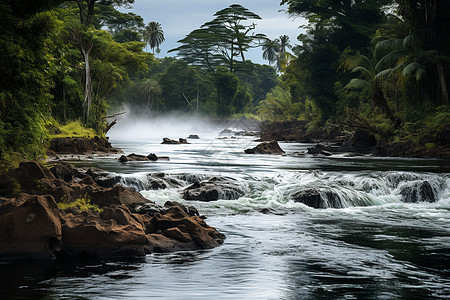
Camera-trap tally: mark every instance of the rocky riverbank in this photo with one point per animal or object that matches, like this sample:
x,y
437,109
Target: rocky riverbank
x,y
63,211
338,139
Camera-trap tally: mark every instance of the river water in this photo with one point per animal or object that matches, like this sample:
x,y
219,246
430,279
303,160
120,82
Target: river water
x,y
376,247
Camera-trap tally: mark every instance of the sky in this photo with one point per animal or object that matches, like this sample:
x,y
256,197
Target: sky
x,y
179,17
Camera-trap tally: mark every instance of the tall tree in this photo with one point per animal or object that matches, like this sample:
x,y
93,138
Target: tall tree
x,y
154,35
271,49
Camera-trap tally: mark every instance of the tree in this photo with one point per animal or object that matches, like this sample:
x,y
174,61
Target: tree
x,y
222,39
151,89
271,49
154,35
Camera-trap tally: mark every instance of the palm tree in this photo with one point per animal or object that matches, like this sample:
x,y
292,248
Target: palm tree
x,y
284,43
270,50
151,89
154,35
370,77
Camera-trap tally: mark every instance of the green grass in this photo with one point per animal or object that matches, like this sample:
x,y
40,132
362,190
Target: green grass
x,y
74,129
83,204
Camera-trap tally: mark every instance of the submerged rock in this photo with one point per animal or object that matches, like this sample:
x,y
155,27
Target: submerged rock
x,y
271,147
213,189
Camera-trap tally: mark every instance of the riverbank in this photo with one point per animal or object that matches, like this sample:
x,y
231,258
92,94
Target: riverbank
x,y
340,139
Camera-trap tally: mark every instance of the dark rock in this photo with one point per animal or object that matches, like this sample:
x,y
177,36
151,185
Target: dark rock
x,y
320,149
152,157
147,208
183,141
189,210
107,181
30,228
170,141
318,198
123,158
193,137
214,189
271,147
418,192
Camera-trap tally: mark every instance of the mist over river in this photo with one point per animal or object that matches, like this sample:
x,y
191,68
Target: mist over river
x,y
378,246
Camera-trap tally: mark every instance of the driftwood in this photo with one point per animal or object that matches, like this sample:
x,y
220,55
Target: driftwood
x,y
110,125
115,115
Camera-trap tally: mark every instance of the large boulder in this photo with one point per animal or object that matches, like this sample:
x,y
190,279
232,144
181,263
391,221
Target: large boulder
x,y
417,192
320,149
177,231
318,198
271,147
30,227
112,233
81,145
213,189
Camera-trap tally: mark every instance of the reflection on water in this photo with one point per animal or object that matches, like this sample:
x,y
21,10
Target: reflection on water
x,y
388,249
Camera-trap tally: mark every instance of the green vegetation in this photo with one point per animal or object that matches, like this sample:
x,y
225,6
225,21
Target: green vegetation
x,y
381,65
83,204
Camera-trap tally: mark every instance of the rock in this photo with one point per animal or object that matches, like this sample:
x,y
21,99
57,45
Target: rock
x,y
271,147
193,137
30,228
418,192
319,149
183,141
81,145
139,157
125,224
214,189
191,232
189,210
318,198
169,141
114,233
152,157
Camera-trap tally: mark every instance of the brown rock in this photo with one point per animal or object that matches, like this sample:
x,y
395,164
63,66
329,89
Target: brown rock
x,y
30,227
271,147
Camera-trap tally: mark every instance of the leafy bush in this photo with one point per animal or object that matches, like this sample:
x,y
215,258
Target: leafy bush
x,y
83,204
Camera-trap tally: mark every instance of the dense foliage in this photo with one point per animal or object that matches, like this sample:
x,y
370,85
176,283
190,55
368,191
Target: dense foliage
x,y
381,65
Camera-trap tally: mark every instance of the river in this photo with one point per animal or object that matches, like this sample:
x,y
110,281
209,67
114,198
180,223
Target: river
x,y
376,247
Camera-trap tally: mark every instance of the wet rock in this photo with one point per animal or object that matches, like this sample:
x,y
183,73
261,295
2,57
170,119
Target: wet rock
x,y
271,147
181,232
418,192
318,198
193,137
30,228
183,141
139,157
189,210
125,224
170,141
214,189
152,157
320,149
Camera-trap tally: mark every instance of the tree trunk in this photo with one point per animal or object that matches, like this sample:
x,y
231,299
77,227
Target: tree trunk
x,y
88,85
442,82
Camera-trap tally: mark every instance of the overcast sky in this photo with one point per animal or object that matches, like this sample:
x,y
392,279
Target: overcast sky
x,y
179,17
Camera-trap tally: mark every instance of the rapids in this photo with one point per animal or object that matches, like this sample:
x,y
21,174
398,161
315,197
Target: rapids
x,y
387,241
